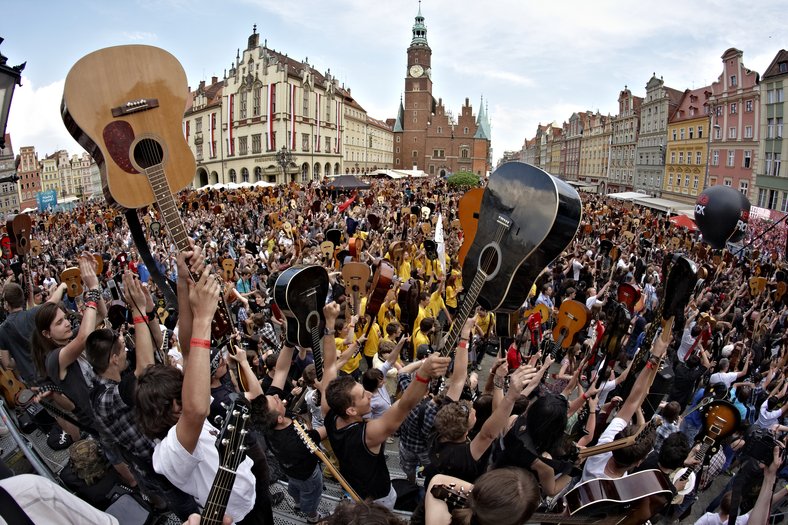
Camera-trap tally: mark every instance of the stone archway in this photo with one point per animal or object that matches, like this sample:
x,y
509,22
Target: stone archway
x,y
316,171
202,178
214,179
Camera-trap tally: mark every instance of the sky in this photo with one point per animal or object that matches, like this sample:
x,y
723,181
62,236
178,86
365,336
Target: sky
x,y
533,62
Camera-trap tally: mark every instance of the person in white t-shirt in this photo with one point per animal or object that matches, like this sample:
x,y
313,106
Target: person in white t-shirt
x,y
616,464
172,407
592,295
728,378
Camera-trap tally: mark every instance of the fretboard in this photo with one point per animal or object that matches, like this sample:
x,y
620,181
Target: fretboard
x,y
463,313
216,504
167,207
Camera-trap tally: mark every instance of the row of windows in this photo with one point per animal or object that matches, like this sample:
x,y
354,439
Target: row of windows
x,y
771,198
731,161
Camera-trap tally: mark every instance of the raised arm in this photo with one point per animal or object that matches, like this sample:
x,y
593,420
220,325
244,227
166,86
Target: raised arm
x,y
135,301
330,312
378,430
460,374
74,348
646,376
196,393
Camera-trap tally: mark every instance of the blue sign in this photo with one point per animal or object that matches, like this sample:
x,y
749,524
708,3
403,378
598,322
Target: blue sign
x,y
46,199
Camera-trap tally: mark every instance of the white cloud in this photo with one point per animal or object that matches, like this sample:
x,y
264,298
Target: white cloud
x,y
35,120
140,36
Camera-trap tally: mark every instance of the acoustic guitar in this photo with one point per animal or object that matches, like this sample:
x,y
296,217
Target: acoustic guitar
x,y
571,318
631,500
468,215
356,276
228,269
526,219
124,105
300,292
73,279
230,444
10,385
628,295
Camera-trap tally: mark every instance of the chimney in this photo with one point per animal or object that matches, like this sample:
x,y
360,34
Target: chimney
x,y
214,80
202,85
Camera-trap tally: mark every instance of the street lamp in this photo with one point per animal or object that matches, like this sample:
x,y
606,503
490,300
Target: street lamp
x,y
712,113
10,77
284,157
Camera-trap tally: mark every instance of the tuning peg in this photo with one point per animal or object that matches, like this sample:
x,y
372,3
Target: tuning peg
x,y
243,448
218,420
236,413
230,427
225,442
224,405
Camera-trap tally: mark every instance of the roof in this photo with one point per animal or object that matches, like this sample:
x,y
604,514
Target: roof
x,y
774,68
347,182
378,123
693,98
398,125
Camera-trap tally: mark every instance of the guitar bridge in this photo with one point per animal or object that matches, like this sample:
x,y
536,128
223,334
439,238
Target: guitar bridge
x,y
504,221
134,106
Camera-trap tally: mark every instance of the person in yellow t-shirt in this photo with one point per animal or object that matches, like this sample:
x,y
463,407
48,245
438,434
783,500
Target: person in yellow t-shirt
x,y
344,335
372,344
421,336
403,272
484,328
436,304
424,300
453,289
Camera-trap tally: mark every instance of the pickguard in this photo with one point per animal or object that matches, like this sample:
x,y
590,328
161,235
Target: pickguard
x,y
118,138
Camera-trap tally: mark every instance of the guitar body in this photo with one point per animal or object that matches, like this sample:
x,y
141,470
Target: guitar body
x,y
628,295
356,277
408,301
300,292
10,386
526,219
541,309
19,228
124,105
355,246
635,498
572,317
382,281
73,279
468,213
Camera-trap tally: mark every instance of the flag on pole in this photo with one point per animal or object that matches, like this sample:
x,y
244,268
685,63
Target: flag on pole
x,y
230,140
292,117
317,118
271,88
441,244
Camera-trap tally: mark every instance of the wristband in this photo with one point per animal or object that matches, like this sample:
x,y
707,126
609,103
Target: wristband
x,y
91,304
584,396
151,315
200,343
463,344
498,382
650,365
421,379
140,319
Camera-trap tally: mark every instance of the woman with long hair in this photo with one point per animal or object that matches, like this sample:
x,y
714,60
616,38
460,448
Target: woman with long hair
x,y
56,351
507,496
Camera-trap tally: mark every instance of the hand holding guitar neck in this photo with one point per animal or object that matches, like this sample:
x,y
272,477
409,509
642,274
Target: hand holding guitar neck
x,y
433,367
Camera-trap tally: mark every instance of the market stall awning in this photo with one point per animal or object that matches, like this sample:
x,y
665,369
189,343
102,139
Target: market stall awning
x,y
683,221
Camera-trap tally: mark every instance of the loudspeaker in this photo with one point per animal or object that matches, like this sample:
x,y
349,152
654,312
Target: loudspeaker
x,y
660,388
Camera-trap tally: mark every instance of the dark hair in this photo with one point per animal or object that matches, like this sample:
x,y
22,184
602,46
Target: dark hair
x,y
426,324
392,327
505,496
351,513
157,387
14,295
546,420
451,421
99,347
270,361
725,503
633,454
674,451
671,411
40,345
338,394
370,379
261,416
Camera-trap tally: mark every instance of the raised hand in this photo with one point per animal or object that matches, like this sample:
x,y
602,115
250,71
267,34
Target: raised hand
x,y
134,293
87,269
434,366
204,295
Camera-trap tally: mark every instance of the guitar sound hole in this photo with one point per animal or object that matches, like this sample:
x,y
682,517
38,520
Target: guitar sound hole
x,y
488,262
148,153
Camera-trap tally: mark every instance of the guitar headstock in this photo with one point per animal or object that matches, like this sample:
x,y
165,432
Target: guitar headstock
x,y
454,497
301,431
19,228
230,440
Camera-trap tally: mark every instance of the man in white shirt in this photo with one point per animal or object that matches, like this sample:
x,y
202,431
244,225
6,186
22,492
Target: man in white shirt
x,y
728,378
616,464
770,414
592,295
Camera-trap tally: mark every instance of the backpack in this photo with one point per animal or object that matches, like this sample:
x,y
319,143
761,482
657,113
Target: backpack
x,y
88,460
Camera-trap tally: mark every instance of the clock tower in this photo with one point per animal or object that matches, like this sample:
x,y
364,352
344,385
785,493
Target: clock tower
x,y
418,103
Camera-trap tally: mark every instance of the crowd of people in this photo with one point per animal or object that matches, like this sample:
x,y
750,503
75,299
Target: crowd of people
x,y
499,428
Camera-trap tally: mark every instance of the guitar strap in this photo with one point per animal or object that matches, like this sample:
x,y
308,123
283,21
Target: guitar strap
x,y
11,511
162,283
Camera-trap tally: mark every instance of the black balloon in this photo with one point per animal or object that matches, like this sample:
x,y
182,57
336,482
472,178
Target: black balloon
x,y
741,226
721,215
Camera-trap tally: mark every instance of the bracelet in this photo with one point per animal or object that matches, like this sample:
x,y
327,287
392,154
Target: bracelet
x,y
421,379
91,304
463,344
498,382
92,296
200,343
650,365
140,319
152,314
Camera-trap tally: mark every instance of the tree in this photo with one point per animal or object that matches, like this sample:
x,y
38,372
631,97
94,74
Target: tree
x,y
463,179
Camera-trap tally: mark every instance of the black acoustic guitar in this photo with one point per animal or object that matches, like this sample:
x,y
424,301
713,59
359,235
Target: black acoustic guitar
x,y
526,219
300,293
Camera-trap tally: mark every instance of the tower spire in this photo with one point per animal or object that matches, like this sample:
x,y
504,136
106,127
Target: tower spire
x,y
419,30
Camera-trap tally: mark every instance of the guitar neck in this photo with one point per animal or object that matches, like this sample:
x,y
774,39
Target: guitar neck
x,y
216,504
463,313
167,207
317,353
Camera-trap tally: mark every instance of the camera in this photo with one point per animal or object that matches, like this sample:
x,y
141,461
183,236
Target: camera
x,y
759,444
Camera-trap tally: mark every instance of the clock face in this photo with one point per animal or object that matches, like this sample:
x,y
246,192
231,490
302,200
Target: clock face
x,y
416,70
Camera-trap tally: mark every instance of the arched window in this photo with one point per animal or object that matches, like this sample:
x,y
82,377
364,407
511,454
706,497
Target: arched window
x,y
336,168
316,174
258,174
232,176
328,170
304,172
244,175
